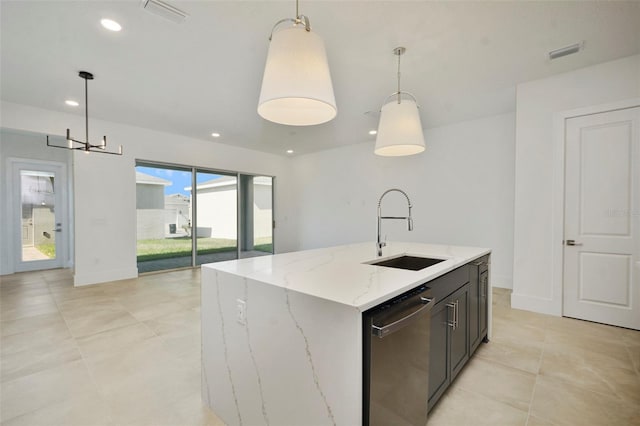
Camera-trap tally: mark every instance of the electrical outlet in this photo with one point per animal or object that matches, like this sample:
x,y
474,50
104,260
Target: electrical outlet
x,y
241,313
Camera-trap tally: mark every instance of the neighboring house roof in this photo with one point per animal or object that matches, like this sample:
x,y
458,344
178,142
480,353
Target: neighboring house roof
x,y
151,180
176,198
229,181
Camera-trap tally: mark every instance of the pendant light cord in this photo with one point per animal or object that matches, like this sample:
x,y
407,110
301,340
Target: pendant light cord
x,y
86,112
297,11
399,94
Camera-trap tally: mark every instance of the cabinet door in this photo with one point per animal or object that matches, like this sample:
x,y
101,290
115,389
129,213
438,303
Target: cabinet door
x,y
474,308
438,352
483,304
460,334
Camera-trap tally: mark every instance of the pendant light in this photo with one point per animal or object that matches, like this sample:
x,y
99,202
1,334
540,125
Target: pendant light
x,y
399,129
85,146
296,86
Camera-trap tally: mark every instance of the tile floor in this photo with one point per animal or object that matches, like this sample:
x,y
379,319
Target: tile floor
x,y
128,353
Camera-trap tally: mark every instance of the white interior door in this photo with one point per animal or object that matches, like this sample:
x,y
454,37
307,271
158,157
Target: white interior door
x,y
40,215
602,214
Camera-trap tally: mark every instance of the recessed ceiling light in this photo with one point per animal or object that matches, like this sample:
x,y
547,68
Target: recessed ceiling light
x,y
111,25
215,134
71,103
373,132
289,151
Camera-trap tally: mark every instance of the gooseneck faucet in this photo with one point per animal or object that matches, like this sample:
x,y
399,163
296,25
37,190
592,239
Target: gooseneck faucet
x,y
409,220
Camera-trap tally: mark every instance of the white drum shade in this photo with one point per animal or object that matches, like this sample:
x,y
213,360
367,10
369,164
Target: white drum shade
x,y
400,130
296,86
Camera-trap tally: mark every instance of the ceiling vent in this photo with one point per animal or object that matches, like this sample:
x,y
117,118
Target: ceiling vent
x,y
567,50
164,10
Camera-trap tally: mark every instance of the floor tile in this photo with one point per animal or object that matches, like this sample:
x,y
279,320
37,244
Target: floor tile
x,y
519,354
97,321
498,382
37,322
44,388
460,407
87,409
536,421
591,371
38,358
156,310
109,342
566,404
20,311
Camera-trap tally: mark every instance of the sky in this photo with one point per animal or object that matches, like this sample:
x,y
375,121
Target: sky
x,y
180,179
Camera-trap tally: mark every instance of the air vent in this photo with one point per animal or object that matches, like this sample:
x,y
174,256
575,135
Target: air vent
x,y
164,10
567,50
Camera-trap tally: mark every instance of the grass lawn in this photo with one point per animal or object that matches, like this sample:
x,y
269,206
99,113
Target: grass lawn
x,y
48,249
177,247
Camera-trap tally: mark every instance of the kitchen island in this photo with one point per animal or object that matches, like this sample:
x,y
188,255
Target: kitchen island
x,y
282,335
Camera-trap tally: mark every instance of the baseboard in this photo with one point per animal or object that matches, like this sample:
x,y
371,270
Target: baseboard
x,y
535,304
502,281
81,279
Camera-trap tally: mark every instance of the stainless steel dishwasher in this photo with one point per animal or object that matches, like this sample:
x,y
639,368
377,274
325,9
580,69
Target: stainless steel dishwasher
x,y
396,360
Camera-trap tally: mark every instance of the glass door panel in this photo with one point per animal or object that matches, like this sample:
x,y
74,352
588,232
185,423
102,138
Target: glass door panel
x,y
163,209
216,217
38,220
256,218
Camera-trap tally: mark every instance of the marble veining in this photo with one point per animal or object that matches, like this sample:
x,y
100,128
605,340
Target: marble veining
x,y
226,352
367,289
316,380
253,357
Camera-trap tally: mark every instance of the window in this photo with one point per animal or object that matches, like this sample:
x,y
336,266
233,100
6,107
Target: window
x,y
227,216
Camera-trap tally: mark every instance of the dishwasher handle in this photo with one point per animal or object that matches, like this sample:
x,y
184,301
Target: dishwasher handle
x,y
382,331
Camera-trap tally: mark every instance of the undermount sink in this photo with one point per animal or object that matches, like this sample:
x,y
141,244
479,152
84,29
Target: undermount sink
x,y
412,263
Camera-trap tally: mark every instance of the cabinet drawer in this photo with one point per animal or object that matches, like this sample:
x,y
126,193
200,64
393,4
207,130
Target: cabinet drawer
x,y
443,286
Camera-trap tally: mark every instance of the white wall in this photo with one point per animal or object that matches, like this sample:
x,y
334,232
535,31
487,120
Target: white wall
x,y
105,190
538,102
461,188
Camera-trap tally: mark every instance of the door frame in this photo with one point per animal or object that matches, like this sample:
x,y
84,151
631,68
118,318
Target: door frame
x,y
63,259
557,222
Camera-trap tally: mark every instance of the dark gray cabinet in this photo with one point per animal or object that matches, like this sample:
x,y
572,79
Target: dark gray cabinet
x,y
449,350
478,300
459,353
439,363
458,323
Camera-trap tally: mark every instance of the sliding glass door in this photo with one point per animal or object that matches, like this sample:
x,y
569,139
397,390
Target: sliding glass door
x,y
216,217
163,210
256,215
189,216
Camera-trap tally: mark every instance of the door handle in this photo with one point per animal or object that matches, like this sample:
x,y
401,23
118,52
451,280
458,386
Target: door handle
x,y
573,243
382,331
452,323
457,314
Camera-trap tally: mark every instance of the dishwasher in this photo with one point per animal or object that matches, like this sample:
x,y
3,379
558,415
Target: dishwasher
x,y
396,360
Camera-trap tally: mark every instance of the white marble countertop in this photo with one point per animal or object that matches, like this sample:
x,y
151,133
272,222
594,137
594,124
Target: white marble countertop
x,y
340,274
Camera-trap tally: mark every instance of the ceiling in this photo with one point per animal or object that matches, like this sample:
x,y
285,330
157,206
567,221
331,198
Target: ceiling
x,y
463,60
